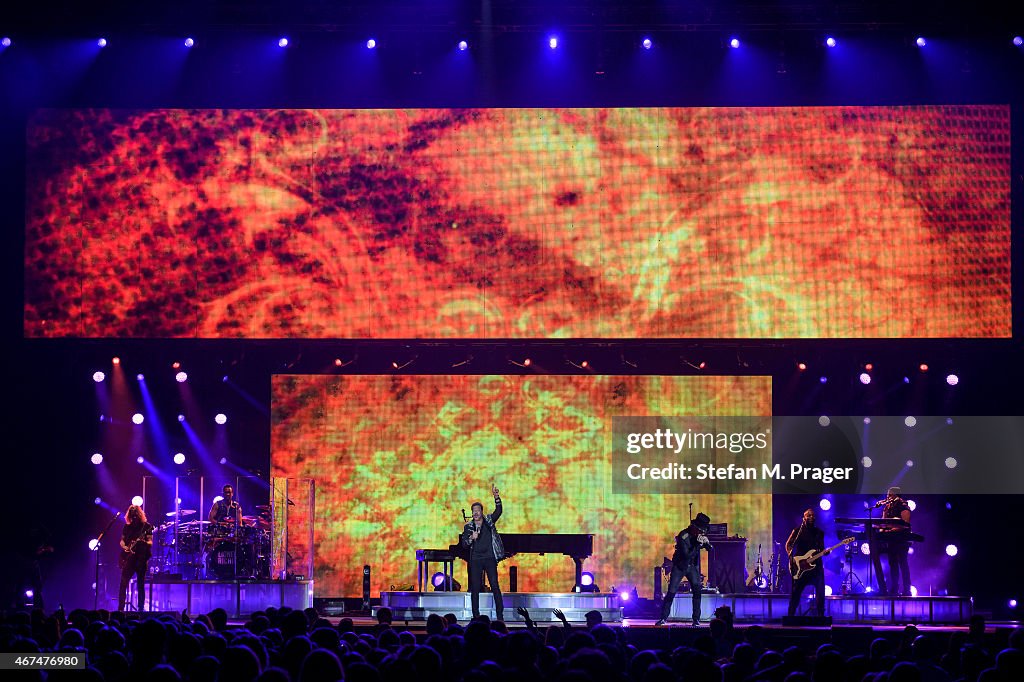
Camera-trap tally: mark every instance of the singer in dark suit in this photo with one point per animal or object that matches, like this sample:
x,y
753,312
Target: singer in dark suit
x,y
686,564
485,551
893,542
226,509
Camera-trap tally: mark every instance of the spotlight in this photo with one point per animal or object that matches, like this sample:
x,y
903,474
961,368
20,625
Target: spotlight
x,y
647,43
866,462
6,42
371,44
97,501
949,421
949,506
825,504
223,460
337,362
137,500
912,505
868,367
865,548
1017,40
175,365
911,422
179,458
823,379
93,544
98,377
830,41
189,42
824,420
96,458
952,550
865,378
952,379
828,590
115,360
137,418
624,595
283,42
553,42
923,367
102,42
802,366
734,43
867,420
1013,602
463,46
181,377
220,418
181,417
910,550
587,579
140,376
140,459
910,463
951,462
906,380
921,42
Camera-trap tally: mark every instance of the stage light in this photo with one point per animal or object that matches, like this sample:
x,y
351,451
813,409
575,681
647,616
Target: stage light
x,y
93,544
181,377
823,379
98,377
587,579
371,44
949,506
140,376
584,364
734,43
910,550
952,379
283,42
138,418
865,378
865,548
951,462
437,580
140,459
867,420
949,421
647,43
103,417
906,380
921,42
828,590
5,41
1017,40
181,417
824,421
912,505
913,590
175,365
911,422
137,500
115,360
825,504
220,418
463,46
223,460
625,595
802,366
830,41
868,367
952,550
97,501
96,458
923,367
1013,602
553,42
102,42
910,463
866,462
179,458
189,42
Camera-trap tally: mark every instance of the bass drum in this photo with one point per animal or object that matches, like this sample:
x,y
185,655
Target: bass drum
x,y
220,561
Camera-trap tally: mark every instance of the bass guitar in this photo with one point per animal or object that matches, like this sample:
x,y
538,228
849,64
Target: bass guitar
x,y
798,565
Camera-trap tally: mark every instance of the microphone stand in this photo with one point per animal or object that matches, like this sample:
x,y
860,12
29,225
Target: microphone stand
x,y
99,543
871,541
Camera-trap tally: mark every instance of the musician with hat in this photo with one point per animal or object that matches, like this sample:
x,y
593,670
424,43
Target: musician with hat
x,y
686,564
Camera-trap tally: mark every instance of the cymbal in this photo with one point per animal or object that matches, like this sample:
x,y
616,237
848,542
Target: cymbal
x,y
248,518
262,507
181,512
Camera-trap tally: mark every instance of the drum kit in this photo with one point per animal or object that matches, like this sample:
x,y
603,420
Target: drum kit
x,y
214,550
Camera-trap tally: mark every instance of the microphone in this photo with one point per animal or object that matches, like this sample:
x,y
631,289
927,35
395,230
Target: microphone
x,y
880,503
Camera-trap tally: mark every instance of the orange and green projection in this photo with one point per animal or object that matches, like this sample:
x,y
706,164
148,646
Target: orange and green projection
x,y
396,458
799,222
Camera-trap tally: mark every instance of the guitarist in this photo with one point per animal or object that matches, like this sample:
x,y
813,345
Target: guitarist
x,y
136,549
806,538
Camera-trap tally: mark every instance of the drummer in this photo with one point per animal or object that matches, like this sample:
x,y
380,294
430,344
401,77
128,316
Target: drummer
x,y
226,510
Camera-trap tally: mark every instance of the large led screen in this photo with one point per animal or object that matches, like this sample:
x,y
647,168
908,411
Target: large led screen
x,y
520,223
395,460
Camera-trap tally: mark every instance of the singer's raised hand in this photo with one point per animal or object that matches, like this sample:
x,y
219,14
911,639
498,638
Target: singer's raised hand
x,y
494,490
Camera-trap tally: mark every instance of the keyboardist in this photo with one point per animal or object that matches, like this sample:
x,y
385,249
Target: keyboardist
x,y
895,544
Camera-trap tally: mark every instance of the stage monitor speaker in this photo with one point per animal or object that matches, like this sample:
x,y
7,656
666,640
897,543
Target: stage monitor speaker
x,y
726,566
807,621
366,587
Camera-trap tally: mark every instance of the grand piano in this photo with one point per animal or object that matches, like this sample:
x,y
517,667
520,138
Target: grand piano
x,y
577,546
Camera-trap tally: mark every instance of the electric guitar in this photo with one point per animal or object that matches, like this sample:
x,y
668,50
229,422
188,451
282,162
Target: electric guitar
x,y
798,565
759,581
127,554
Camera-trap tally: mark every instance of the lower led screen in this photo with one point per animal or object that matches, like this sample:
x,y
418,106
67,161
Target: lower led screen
x,y
395,460
833,222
